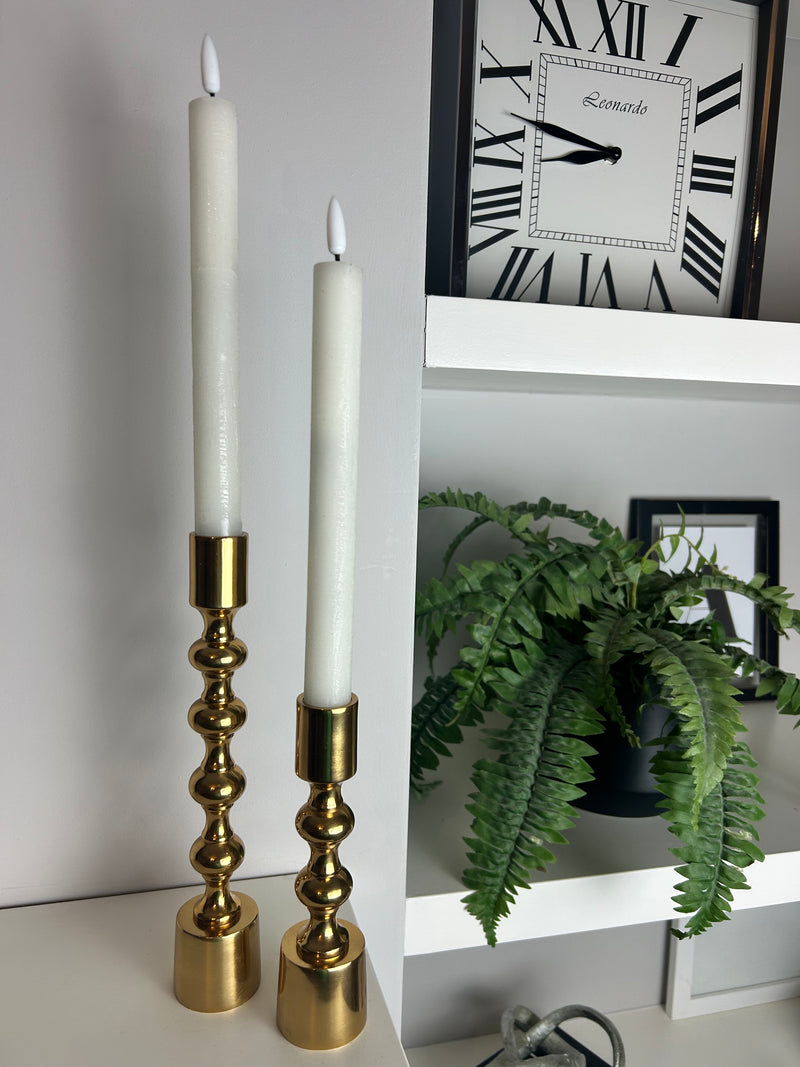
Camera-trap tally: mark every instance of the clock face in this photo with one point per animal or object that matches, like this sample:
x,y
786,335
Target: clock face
x,y
609,152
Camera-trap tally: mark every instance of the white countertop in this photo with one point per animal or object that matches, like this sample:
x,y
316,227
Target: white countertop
x,y
88,983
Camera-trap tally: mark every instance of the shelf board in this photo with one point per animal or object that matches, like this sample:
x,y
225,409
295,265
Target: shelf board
x,y
614,872
498,344
89,982
763,1034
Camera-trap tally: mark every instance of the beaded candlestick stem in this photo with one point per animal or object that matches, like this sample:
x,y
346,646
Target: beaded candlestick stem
x,y
217,952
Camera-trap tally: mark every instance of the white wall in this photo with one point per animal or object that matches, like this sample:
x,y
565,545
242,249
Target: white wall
x,y
332,99
451,995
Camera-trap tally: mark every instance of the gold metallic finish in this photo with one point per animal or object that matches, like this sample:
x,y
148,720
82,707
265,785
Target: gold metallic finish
x,y
217,959
321,986
217,973
217,571
326,742
324,884
322,1007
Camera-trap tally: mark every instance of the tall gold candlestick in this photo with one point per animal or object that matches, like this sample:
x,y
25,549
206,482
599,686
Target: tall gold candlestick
x,y
217,951
322,982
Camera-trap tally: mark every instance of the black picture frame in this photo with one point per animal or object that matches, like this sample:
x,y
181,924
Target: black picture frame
x,y
454,24
761,518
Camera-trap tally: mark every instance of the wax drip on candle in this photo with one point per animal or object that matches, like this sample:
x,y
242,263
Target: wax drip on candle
x,y
337,236
209,66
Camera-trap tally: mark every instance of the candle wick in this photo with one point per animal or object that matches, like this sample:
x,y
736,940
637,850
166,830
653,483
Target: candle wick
x,y
337,257
212,94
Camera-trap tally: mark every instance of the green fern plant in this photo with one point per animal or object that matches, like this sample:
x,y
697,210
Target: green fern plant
x,y
561,634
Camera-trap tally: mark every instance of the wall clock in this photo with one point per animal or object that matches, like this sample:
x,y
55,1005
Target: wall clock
x,y
604,153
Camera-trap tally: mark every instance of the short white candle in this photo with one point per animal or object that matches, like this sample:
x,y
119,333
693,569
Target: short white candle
x,y
336,371
213,168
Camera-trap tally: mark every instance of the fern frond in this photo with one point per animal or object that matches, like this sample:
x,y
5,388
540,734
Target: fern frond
x,y
507,618
608,639
459,539
720,844
787,697
516,518
441,604
523,799
782,686
433,730
506,600
773,600
695,685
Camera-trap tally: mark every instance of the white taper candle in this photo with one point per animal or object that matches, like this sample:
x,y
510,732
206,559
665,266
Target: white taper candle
x,y
213,168
336,371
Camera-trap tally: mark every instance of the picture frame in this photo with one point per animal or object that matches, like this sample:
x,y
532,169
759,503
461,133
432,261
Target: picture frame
x,y
746,535
451,143
693,984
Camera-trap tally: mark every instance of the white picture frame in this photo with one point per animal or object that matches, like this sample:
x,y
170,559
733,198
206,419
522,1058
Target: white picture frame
x,y
682,1002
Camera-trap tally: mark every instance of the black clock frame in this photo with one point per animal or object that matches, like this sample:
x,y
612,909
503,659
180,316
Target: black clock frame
x,y
454,24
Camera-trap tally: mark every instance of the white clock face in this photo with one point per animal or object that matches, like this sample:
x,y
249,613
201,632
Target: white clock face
x,y
609,155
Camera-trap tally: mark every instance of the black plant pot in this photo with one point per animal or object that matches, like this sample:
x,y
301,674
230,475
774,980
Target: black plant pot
x,y
623,783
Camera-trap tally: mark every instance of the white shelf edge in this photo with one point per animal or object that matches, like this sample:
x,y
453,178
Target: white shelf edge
x,y
469,335
440,923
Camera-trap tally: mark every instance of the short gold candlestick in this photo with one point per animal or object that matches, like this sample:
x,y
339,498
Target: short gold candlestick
x,y
217,951
322,979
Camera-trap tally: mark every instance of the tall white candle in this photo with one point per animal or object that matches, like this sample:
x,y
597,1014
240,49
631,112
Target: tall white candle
x,y
336,370
213,169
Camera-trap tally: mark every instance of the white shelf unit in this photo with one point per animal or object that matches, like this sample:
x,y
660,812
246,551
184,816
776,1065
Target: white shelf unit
x,y
490,344
614,872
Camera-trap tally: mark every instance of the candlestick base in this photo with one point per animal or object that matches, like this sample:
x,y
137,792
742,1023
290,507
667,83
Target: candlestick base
x,y
217,971
322,1001
322,1007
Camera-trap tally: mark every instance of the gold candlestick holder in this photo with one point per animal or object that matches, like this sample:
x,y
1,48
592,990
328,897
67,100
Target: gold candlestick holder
x,y
217,950
322,977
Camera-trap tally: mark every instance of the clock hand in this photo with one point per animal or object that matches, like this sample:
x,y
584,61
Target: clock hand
x,y
581,157
560,132
610,152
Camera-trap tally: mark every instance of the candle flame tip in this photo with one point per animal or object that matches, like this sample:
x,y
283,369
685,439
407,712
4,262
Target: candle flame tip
x,y
209,66
337,235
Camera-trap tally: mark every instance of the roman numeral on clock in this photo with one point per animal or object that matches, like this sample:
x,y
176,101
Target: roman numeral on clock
x,y
605,277
657,281
490,207
712,174
482,145
522,70
517,277
723,95
689,23
634,29
549,25
703,255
